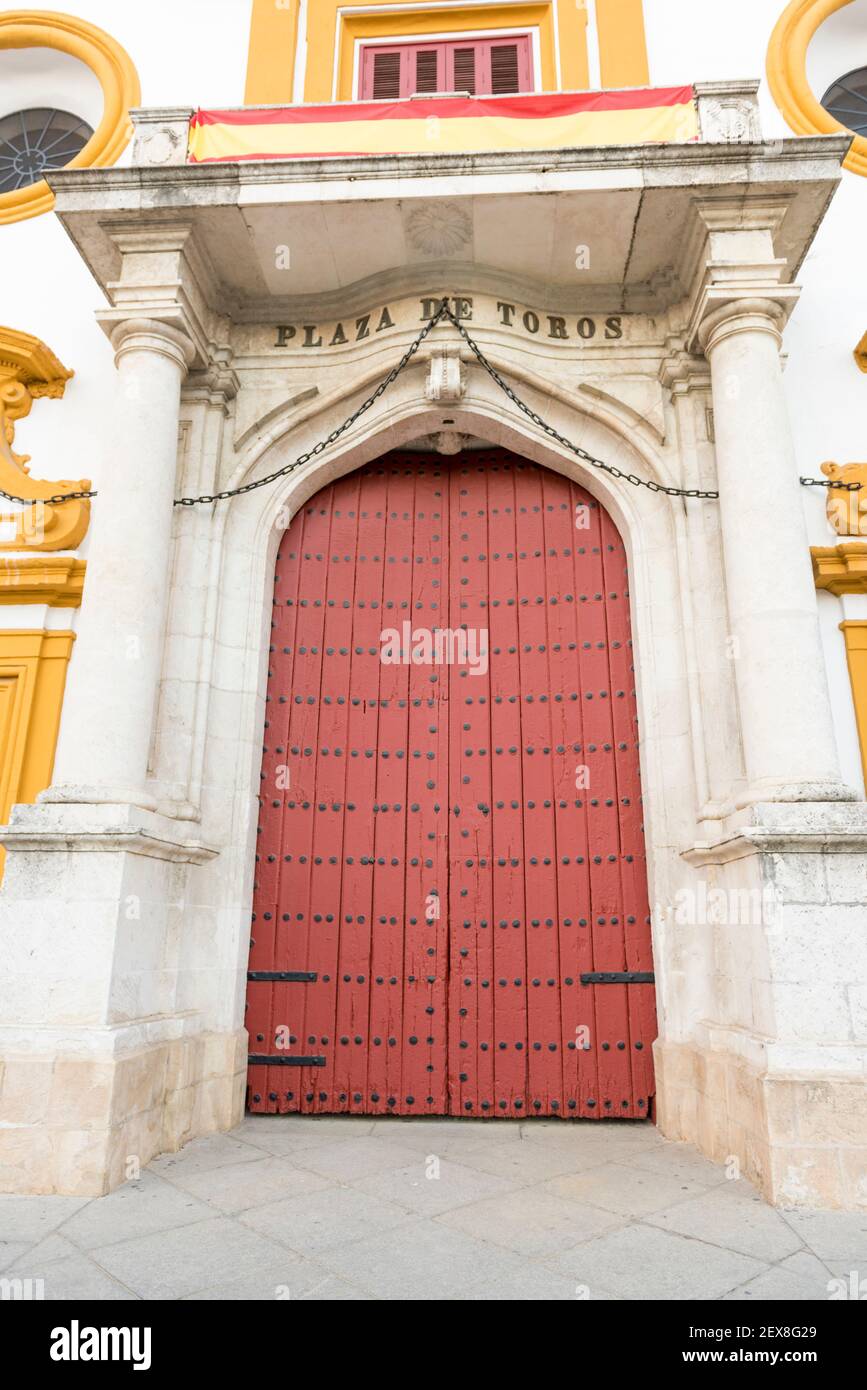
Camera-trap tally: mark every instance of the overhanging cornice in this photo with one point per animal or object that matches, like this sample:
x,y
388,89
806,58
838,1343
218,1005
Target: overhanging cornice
x,y
347,221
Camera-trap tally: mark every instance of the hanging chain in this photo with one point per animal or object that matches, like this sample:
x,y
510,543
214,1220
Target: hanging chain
x,y
443,312
54,501
561,439
334,435
821,482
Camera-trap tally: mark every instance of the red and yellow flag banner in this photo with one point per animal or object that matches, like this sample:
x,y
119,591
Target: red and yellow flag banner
x,y
445,125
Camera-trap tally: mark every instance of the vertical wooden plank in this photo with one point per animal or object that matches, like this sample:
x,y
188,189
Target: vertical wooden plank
x,y
604,911
320,997
508,907
470,842
474,682
390,904
540,872
360,1055
274,823
304,874
561,519
588,1002
635,907
427,892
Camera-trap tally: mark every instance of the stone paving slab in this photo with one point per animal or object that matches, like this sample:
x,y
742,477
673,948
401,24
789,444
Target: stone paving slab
x,y
732,1219
339,1216
350,1208
639,1262
623,1189
136,1209
175,1263
531,1221
236,1187
427,1261
431,1190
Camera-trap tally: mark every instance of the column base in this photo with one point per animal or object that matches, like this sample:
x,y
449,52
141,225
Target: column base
x,y
96,794
81,1124
59,826
807,827
776,792
802,1140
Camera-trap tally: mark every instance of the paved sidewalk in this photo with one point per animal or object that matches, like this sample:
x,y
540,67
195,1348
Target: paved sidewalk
x,y
352,1208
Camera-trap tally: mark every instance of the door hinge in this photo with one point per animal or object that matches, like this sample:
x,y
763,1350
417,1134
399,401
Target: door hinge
x,y
292,977
262,1059
618,977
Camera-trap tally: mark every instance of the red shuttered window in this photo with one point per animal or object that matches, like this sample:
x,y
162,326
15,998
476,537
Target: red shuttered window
x,y
482,67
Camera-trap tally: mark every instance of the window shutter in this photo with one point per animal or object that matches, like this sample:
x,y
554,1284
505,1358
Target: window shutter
x,y
504,69
465,70
386,76
426,70
482,67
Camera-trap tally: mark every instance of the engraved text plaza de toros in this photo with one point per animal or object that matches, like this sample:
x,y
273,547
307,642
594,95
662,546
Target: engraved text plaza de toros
x,y
578,329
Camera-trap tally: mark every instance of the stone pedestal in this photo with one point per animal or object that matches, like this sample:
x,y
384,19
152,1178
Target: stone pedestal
x,y
107,1060
102,1066
775,1080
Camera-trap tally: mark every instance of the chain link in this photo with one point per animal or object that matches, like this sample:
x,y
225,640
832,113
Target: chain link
x,y
821,482
48,501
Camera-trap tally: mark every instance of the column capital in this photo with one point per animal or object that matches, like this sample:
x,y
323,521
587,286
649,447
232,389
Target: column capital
x,y
163,275
722,314
152,335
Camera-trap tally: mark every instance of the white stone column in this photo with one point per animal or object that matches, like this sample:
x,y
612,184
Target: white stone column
x,y
789,747
108,716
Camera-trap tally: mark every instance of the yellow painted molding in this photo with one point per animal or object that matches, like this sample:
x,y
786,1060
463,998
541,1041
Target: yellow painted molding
x,y
787,76
57,580
328,25
274,38
846,511
622,43
271,55
33,667
854,632
841,568
30,371
116,74
860,354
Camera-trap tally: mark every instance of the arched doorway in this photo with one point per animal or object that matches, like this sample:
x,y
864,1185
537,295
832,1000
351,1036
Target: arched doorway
x,y
450,909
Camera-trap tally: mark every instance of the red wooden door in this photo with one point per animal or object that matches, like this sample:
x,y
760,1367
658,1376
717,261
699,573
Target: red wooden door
x,y
450,911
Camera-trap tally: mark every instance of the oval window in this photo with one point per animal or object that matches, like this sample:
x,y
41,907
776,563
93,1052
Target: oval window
x,y
846,100
34,142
